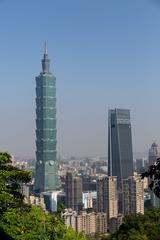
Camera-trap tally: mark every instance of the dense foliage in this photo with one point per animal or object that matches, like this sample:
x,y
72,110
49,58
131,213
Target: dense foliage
x,y
153,174
140,227
33,224
11,179
20,221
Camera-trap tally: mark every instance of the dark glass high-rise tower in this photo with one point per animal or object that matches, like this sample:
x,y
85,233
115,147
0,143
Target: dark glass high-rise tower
x,y
73,189
120,156
46,176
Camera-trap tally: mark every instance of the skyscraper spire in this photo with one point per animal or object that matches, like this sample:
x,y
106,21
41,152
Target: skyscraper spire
x,y
45,60
45,48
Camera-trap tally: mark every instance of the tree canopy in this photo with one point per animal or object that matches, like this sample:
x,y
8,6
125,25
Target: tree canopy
x,y
153,174
140,227
20,221
11,179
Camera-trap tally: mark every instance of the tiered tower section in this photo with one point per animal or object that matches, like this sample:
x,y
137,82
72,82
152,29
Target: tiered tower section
x,y
46,176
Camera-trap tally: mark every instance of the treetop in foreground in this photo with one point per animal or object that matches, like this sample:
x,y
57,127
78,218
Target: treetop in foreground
x,y
11,179
153,174
19,221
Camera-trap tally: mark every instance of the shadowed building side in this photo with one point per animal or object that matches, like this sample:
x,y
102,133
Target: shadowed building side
x,y
73,189
120,156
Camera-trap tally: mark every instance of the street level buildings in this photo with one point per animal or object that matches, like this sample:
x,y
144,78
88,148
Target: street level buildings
x,y
120,156
46,175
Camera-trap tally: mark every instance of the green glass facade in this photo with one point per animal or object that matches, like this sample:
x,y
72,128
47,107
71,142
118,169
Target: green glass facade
x,y
46,175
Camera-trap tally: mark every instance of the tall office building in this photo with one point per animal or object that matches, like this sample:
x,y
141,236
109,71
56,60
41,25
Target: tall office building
x,y
73,189
120,156
107,196
154,153
46,176
133,195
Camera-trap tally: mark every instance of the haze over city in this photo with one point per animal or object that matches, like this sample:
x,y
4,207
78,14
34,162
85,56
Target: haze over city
x,y
105,54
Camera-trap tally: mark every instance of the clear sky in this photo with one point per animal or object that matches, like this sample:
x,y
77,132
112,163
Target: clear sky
x,y
105,54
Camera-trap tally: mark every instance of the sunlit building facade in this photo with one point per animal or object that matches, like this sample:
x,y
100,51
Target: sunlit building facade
x,y
46,176
133,195
107,201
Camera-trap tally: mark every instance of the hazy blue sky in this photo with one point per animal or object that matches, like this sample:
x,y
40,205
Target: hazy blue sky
x,y
105,54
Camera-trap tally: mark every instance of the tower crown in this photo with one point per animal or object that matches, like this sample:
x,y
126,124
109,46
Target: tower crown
x,y
45,60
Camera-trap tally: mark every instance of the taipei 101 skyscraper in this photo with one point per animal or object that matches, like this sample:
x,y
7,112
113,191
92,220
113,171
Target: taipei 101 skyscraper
x,y
46,175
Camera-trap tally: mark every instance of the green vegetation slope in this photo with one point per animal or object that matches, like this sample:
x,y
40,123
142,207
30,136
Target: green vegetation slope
x,y
20,221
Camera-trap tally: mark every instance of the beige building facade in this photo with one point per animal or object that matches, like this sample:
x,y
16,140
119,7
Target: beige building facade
x,y
89,223
107,200
133,195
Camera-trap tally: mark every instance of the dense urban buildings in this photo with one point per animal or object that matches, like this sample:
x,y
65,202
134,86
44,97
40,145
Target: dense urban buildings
x,y
120,156
46,176
90,223
86,185
133,195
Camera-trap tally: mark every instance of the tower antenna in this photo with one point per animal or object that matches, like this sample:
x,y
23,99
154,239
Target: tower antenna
x,y
45,48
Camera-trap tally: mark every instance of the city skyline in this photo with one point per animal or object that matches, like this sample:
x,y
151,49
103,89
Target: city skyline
x,y
106,55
